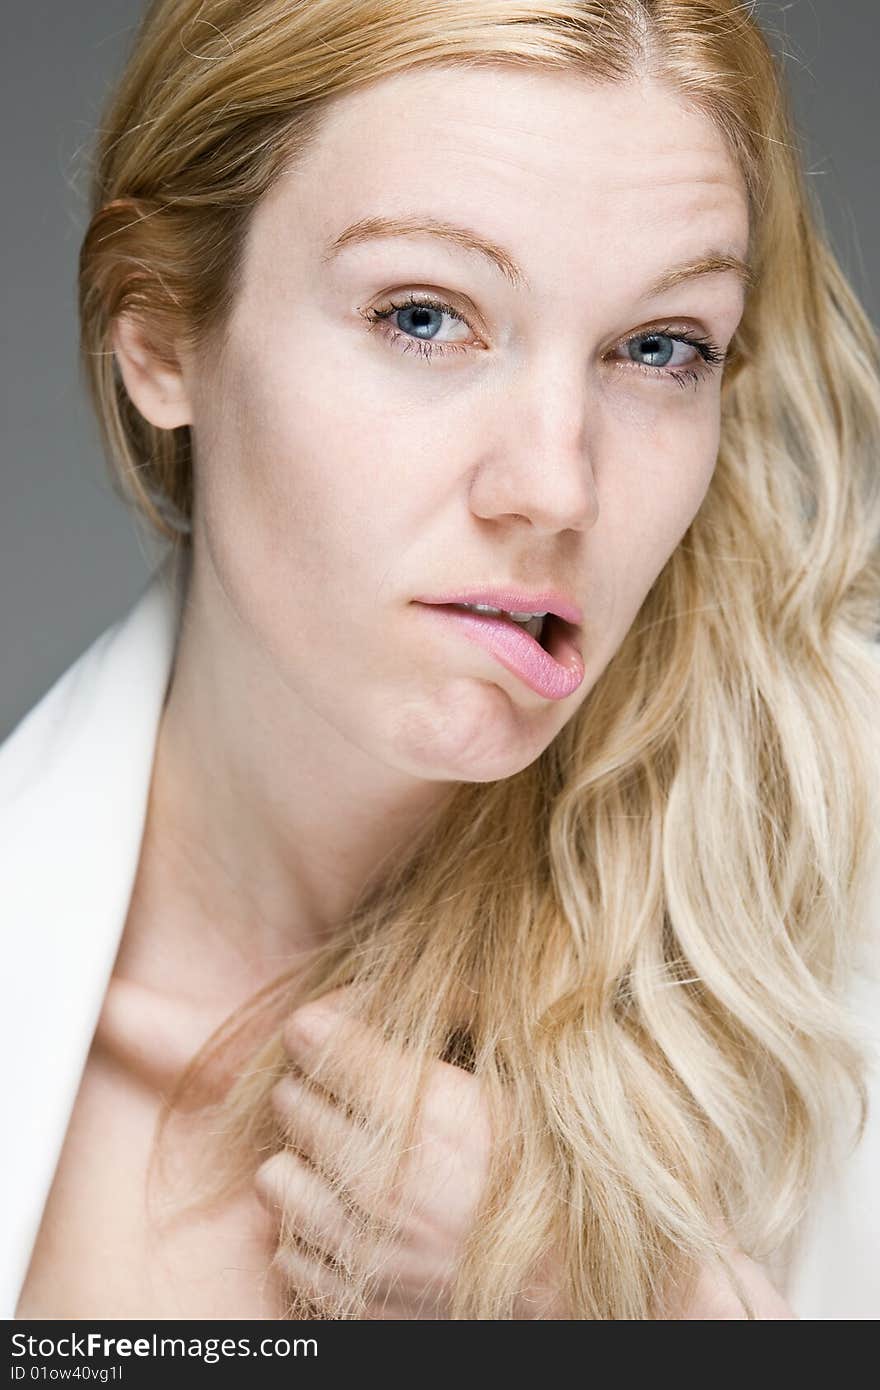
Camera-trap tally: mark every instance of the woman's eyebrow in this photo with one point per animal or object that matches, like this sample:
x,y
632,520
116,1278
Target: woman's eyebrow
x,y
372,228
709,262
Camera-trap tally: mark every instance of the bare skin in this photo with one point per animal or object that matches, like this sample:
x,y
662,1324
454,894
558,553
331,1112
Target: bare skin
x,y
102,1250
314,714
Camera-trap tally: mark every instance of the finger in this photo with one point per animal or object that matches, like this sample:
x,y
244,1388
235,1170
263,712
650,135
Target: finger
x,y
319,1129
287,1185
310,1276
314,1124
305,1037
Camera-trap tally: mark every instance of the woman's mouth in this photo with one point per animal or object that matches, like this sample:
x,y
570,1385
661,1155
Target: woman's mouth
x,y
543,652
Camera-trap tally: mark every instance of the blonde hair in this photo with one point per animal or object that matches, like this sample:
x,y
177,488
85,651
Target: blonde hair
x,y
639,944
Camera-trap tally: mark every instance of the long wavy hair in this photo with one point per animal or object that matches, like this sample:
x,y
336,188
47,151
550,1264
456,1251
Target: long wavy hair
x,y
640,944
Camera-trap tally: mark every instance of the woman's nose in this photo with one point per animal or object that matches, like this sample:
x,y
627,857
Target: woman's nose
x,y
537,459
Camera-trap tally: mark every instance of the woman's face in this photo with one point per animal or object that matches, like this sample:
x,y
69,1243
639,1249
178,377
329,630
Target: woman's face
x,y
353,453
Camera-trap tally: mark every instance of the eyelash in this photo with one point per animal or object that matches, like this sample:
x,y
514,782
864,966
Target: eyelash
x,y
711,355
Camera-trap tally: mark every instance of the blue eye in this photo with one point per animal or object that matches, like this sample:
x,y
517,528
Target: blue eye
x,y
659,346
416,322
425,319
422,319
664,352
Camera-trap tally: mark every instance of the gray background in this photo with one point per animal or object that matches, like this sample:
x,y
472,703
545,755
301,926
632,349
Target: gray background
x,y
71,558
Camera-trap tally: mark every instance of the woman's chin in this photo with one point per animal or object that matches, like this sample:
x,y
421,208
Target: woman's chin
x,y
477,736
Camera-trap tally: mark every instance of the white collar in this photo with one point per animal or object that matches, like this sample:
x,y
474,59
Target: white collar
x,y
74,783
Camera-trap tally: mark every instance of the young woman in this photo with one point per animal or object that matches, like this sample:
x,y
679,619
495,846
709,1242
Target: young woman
x,y
395,313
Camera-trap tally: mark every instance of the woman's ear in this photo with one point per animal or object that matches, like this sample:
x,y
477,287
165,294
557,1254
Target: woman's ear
x,y
155,384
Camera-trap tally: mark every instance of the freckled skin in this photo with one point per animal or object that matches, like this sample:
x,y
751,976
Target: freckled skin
x,y
381,476
314,711
371,475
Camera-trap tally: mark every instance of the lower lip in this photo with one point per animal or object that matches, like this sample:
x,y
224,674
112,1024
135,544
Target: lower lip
x,y
554,674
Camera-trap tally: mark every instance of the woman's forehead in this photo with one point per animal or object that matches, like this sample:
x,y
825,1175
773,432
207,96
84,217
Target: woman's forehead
x,y
549,124
555,166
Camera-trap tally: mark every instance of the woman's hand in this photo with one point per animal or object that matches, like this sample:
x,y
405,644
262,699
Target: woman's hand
x,y
441,1183
437,1197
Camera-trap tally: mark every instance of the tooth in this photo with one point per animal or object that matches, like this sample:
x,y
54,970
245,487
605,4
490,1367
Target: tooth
x,y
487,608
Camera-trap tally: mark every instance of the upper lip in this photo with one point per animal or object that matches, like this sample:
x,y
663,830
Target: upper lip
x,y
513,601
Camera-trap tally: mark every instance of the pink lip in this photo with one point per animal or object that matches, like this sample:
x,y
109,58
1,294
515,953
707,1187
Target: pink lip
x,y
513,601
554,673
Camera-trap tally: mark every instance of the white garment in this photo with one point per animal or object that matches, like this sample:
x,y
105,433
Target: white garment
x,y
74,783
